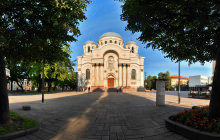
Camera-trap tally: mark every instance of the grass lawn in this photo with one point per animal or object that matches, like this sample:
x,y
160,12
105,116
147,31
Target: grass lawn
x,y
27,92
17,123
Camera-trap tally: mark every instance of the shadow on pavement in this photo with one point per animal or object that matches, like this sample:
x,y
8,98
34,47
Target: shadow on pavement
x,y
99,116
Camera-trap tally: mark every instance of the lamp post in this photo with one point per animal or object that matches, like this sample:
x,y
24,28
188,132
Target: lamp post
x,y
43,83
179,85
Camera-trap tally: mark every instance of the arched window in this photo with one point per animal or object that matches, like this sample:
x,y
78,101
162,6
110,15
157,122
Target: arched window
x,y
101,43
87,74
105,42
110,41
132,49
110,62
89,49
133,74
115,42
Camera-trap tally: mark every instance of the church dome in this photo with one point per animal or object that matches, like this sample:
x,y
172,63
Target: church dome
x,y
110,34
90,42
131,42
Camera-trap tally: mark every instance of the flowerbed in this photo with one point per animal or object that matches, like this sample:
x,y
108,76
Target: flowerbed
x,y
197,118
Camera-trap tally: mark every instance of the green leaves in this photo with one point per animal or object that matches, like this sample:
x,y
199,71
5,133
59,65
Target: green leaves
x,y
28,25
183,30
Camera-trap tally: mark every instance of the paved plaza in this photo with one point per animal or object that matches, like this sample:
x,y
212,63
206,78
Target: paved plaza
x,y
101,116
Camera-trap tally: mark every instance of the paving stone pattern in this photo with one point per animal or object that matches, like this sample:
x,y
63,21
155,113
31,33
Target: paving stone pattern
x,y
97,116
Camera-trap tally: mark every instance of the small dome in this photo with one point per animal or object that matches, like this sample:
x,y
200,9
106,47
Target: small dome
x,y
131,42
90,42
109,34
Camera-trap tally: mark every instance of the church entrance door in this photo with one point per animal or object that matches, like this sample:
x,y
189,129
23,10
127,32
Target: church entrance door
x,y
110,82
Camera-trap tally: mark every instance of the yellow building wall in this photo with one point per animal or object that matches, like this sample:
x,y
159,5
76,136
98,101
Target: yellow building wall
x,y
174,82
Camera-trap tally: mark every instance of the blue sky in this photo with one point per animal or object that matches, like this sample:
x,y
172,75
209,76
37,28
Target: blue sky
x,y
104,16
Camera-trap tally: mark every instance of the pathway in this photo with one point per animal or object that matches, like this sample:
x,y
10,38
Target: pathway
x,y
100,116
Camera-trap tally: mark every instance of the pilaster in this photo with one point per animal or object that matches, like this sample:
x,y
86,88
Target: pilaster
x,y
128,75
120,75
101,75
97,75
93,75
142,77
124,75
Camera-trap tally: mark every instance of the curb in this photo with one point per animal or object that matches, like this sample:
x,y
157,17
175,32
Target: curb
x,y
19,133
190,132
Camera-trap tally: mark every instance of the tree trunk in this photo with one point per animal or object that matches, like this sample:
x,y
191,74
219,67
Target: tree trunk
x,y
40,83
55,86
11,85
49,86
214,106
4,105
20,85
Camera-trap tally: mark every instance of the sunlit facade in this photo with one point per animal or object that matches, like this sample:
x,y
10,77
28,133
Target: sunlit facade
x,y
110,63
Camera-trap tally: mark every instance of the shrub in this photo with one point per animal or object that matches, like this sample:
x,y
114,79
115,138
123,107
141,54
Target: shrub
x,y
197,118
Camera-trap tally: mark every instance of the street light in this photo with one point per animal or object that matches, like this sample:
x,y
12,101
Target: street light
x,y
42,83
179,85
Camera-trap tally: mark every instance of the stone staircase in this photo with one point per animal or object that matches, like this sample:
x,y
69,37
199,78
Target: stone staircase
x,y
97,89
102,89
112,90
141,89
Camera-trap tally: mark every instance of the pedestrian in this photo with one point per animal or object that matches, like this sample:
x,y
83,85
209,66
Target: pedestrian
x,y
89,89
117,89
121,89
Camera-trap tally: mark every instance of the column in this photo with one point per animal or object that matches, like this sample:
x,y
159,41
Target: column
x,y
128,76
124,75
120,75
101,74
142,77
97,75
93,75
79,77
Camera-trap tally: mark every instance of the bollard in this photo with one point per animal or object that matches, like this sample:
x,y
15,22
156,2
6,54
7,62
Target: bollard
x,y
160,95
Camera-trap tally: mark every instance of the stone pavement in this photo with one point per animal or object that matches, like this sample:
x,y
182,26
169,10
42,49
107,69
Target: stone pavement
x,y
100,116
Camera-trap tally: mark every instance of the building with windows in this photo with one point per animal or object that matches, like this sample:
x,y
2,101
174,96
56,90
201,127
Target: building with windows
x,y
110,63
26,84
199,82
175,80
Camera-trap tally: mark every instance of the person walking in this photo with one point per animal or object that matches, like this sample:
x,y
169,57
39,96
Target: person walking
x,y
117,89
89,89
122,89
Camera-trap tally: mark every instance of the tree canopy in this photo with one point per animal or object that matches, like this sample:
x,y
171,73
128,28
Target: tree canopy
x,y
35,30
165,76
183,29
38,29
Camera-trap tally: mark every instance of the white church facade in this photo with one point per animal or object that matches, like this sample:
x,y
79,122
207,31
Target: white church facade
x,y
110,63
